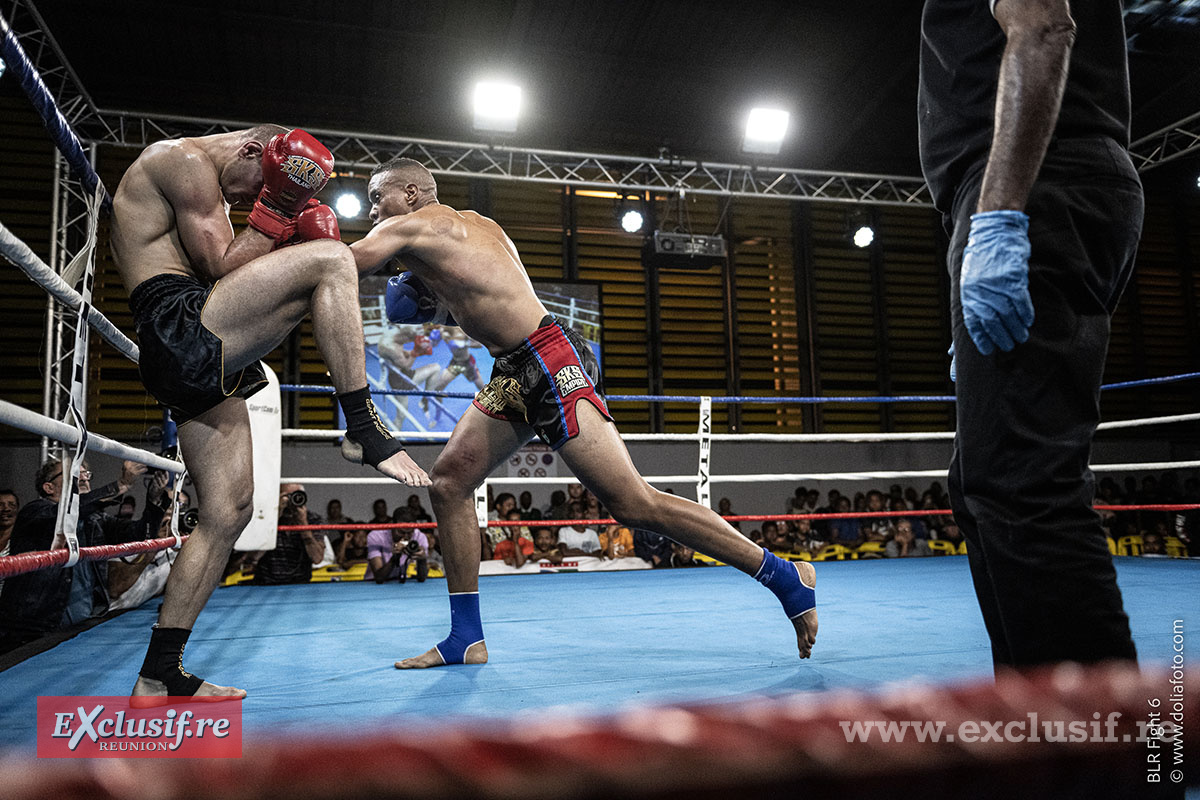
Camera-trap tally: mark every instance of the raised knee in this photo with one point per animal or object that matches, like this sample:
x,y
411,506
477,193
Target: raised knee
x,y
444,484
333,257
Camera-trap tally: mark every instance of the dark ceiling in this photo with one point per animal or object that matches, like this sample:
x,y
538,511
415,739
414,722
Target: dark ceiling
x,y
602,76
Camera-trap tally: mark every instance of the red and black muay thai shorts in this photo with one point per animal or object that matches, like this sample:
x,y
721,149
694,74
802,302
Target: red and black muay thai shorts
x,y
540,383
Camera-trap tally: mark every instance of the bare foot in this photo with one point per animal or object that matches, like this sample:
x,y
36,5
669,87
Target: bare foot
x,y
405,470
149,693
476,654
806,623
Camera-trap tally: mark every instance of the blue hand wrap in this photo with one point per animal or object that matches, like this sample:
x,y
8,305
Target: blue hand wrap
x,y
465,627
783,578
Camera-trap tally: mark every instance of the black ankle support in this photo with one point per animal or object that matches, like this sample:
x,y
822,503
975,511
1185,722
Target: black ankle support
x,y
364,427
164,662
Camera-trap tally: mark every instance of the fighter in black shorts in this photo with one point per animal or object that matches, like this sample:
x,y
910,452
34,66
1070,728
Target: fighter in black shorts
x,y
207,306
546,383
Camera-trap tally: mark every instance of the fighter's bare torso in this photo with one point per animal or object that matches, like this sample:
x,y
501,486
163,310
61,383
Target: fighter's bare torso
x,y
145,234
470,264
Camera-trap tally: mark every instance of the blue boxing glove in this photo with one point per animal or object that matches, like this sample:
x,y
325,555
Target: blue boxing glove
x,y
994,283
407,300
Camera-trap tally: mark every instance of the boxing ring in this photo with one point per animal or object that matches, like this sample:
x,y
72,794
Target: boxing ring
x,y
638,683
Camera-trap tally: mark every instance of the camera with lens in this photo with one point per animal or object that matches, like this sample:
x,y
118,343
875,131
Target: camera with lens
x,y
189,520
298,498
413,547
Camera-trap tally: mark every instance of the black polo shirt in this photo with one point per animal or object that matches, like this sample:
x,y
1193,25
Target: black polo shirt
x,y
961,47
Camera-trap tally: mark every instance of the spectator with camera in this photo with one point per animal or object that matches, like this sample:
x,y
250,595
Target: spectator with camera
x,y
37,603
389,552
296,552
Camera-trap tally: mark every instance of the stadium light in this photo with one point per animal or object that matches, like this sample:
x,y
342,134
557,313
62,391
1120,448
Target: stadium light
x,y
864,236
347,205
765,129
632,221
497,106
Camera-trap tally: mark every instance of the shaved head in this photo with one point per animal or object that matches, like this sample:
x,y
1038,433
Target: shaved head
x,y
406,171
263,133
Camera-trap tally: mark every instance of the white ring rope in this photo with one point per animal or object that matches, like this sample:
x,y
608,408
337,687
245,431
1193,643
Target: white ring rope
x,y
17,252
783,477
33,422
302,434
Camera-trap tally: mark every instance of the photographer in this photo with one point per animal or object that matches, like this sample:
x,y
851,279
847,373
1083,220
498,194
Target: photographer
x,y
295,552
37,603
389,551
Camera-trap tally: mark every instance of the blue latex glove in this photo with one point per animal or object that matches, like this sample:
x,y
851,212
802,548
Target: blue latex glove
x,y
950,352
994,284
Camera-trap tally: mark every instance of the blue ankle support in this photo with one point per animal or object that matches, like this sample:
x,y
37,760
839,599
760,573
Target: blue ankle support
x,y
465,627
783,578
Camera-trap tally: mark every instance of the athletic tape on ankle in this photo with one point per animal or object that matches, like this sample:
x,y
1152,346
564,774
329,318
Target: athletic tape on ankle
x,y
466,628
783,578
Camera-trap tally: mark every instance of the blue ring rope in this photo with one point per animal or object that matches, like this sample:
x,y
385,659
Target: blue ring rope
x,y
56,124
663,398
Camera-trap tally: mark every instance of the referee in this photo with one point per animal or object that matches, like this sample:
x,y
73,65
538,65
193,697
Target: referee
x,y
1024,129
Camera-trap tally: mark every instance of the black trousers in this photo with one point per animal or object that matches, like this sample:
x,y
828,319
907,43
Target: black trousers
x,y
1019,482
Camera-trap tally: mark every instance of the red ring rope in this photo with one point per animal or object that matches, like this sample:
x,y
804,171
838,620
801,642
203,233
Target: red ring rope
x,y
790,746
42,559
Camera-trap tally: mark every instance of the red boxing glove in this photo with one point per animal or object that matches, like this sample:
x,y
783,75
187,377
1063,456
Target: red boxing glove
x,y
316,221
422,346
295,167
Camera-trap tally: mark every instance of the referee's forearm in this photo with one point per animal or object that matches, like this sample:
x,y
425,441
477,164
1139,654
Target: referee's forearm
x,y
1033,77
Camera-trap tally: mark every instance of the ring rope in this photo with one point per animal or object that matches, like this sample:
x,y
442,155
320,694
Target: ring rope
x,y
915,436
19,254
668,398
33,422
789,745
783,477
560,523
60,130
42,559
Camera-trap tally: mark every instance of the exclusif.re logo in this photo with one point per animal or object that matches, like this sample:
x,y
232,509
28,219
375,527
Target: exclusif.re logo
x,y
305,172
570,378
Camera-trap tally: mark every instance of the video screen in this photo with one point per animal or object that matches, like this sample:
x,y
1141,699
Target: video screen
x,y
442,358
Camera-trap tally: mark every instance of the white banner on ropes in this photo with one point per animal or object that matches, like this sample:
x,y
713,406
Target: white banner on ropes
x,y
265,424
703,476
569,564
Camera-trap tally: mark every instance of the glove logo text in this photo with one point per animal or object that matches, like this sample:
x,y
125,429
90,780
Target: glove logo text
x,y
305,172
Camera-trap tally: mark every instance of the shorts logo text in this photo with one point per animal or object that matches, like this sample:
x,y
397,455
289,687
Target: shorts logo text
x,y
570,378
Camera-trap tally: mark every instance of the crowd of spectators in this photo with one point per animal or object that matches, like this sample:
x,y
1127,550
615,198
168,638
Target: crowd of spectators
x,y
34,604
909,536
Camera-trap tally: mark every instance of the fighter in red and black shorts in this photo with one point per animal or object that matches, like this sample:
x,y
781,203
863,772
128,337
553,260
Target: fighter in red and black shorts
x,y
541,381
